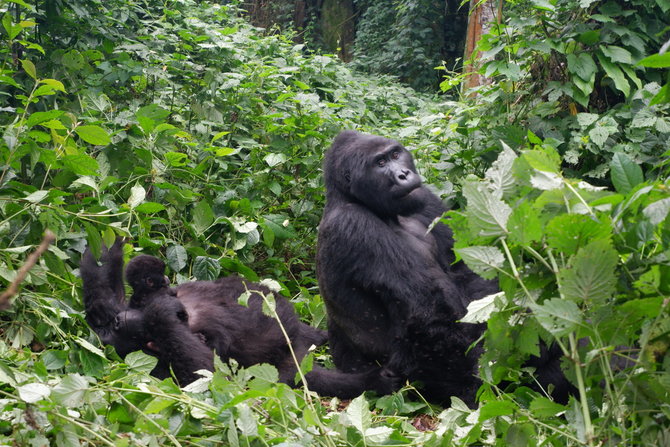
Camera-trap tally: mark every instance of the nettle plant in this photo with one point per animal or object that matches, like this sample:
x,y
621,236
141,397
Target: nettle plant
x,y
580,267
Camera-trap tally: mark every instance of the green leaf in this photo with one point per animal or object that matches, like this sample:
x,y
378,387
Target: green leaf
x,y
40,117
544,408
559,317
139,361
485,261
567,233
203,216
81,164
206,268
524,225
625,174
590,276
29,68
500,173
137,196
176,257
33,392
656,61
149,208
358,414
54,84
615,73
617,54
486,212
70,391
93,135
657,211
94,240
546,160
479,311
245,421
582,65
496,408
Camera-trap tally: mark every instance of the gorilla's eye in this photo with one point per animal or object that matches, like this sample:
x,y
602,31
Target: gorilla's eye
x,y
381,162
395,155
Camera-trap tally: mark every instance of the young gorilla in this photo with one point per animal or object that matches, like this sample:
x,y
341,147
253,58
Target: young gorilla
x,y
146,275
392,293
173,325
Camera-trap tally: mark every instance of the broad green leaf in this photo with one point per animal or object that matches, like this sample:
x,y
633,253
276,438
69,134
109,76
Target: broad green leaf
x,y
656,61
94,240
546,160
590,277
40,117
480,310
54,84
245,420
71,390
139,361
95,135
617,54
274,159
500,173
358,414
176,257
582,65
586,119
601,132
524,225
37,196
559,317
206,268
485,261
203,216
486,212
567,233
149,208
29,68
625,174
615,73
657,211
158,404
176,159
280,226
546,181
137,196
81,164
33,392
544,408
496,408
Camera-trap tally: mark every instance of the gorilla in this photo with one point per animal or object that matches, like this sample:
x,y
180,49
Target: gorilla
x,y
184,326
392,289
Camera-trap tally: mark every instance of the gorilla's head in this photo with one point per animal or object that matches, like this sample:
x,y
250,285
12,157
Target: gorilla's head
x,y
375,171
146,274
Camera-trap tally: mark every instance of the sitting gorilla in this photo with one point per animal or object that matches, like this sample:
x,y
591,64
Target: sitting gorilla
x,y
392,291
182,327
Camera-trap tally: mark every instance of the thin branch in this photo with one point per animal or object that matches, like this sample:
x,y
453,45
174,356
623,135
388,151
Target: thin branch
x,y
32,259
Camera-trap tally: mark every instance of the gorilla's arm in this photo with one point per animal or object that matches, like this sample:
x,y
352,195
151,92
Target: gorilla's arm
x,y
104,295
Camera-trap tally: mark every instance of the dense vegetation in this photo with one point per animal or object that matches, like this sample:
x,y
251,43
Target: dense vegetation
x,y
200,137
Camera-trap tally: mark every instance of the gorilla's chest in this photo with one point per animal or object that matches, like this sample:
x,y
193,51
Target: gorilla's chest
x,y
415,234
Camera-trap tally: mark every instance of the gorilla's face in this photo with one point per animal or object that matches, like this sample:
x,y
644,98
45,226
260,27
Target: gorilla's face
x,y
386,181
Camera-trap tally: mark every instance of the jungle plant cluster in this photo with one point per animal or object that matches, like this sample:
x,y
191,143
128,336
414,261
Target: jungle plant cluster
x,y
200,138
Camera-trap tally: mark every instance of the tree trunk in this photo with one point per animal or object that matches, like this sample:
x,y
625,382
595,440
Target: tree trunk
x,y
480,22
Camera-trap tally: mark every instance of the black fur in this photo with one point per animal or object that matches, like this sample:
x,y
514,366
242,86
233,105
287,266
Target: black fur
x,y
146,275
184,325
392,291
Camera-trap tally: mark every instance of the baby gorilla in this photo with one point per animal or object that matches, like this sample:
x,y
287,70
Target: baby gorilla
x,y
146,275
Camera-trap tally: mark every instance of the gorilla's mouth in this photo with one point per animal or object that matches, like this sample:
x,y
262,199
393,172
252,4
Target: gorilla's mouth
x,y
405,190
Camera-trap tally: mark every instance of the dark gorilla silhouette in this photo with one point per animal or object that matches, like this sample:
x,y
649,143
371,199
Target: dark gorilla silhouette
x,y
184,325
392,291
146,275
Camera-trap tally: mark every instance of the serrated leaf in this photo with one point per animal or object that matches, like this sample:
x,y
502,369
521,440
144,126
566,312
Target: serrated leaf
x,y
274,159
500,173
544,408
245,421
559,317
176,257
586,119
546,160
590,276
546,181
480,310
70,391
137,195
358,414
93,135
657,211
496,408
206,268
524,225
203,216
486,212
81,164
567,233
485,261
33,392
625,173
139,361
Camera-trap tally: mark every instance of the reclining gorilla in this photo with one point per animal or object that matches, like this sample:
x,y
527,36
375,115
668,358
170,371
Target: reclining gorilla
x,y
392,291
183,326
